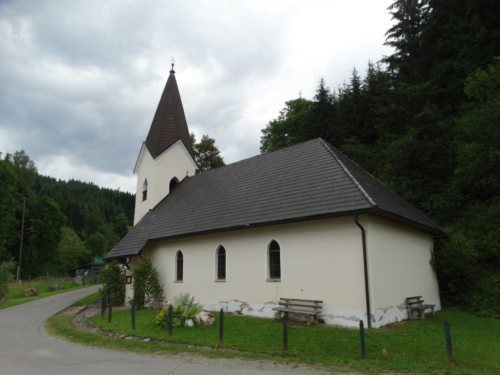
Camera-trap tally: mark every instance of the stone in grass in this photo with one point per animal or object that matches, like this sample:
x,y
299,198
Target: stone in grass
x,y
146,340
189,323
31,292
205,318
56,287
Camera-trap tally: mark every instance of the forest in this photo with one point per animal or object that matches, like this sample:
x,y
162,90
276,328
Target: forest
x,y
66,224
425,121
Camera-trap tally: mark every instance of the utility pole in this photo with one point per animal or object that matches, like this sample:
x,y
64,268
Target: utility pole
x,y
18,276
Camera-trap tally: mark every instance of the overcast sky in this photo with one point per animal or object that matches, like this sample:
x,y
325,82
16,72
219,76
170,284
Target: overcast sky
x,y
80,80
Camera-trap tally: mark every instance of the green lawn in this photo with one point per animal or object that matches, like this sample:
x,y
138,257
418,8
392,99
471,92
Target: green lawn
x,y
416,346
42,286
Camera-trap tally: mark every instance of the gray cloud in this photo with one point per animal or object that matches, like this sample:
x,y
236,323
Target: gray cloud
x,y
81,79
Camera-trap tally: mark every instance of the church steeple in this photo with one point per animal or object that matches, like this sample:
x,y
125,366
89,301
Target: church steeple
x,y
169,123
166,156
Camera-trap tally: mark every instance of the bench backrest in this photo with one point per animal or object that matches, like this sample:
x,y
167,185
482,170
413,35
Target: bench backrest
x,y
308,304
417,300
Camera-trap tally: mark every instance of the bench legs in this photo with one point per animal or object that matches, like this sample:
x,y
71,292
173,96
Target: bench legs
x,y
420,313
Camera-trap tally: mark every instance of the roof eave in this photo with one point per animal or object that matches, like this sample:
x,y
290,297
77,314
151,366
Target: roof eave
x,y
434,231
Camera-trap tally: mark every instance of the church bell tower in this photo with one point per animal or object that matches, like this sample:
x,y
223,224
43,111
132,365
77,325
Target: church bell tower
x,y
166,156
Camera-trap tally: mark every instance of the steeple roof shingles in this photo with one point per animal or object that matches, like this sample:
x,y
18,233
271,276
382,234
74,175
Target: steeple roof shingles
x,y
169,123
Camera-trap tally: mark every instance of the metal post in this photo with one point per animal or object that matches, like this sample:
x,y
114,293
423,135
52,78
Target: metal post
x,y
170,322
103,305
132,313
285,331
221,326
362,339
110,309
447,338
18,274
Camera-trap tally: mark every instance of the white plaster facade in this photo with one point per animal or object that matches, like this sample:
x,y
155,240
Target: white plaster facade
x,y
399,263
173,162
320,259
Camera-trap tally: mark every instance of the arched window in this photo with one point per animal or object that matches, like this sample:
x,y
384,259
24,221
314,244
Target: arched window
x,y
274,260
173,182
145,190
221,263
179,266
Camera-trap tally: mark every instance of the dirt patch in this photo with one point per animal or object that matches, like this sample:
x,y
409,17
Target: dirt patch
x,y
81,316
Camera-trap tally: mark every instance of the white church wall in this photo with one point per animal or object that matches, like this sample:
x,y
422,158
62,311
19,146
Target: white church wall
x,y
320,259
174,162
399,267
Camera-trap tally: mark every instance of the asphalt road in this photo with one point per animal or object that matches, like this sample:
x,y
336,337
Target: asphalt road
x,y
27,349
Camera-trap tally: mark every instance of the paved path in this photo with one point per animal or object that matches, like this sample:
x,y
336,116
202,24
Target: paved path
x,y
26,349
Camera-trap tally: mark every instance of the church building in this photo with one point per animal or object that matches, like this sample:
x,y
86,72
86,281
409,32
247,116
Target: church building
x,y
302,222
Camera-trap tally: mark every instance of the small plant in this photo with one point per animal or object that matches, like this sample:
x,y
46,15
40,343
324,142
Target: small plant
x,y
185,308
114,283
6,276
147,287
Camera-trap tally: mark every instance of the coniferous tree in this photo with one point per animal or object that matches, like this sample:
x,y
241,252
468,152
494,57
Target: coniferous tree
x,y
287,129
206,154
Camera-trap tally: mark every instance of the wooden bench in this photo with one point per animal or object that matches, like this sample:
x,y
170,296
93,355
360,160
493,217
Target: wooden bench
x,y
416,306
297,306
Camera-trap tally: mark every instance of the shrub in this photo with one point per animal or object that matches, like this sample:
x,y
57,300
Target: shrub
x,y
184,308
114,283
6,276
147,287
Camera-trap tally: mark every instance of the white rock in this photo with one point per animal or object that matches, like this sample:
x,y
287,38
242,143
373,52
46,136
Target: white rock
x,y
189,323
146,340
205,318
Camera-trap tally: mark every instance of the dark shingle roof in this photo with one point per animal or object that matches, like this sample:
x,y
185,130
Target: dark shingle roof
x,y
169,123
306,181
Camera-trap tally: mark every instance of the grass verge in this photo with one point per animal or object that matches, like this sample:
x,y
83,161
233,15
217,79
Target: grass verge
x,y
43,287
416,346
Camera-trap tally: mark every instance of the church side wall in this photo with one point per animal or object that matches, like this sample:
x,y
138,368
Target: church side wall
x,y
320,259
174,162
399,267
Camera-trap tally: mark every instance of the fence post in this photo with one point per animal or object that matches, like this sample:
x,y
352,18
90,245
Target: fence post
x,y
221,326
110,309
132,313
362,339
103,304
285,331
170,318
447,338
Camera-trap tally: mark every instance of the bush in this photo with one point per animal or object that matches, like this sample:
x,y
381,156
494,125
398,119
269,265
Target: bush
x,y
114,283
147,287
6,276
184,308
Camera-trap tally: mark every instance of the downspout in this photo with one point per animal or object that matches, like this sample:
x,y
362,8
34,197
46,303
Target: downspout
x,y
365,268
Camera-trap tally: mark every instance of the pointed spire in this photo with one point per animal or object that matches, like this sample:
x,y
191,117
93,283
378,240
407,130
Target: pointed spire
x,y
169,123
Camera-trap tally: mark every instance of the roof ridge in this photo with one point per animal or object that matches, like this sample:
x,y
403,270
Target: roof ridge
x,y
257,156
348,173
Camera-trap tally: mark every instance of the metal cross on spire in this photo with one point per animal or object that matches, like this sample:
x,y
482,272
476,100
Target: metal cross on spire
x,y
173,63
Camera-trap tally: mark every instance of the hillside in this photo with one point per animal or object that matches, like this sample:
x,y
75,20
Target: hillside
x,y
66,222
